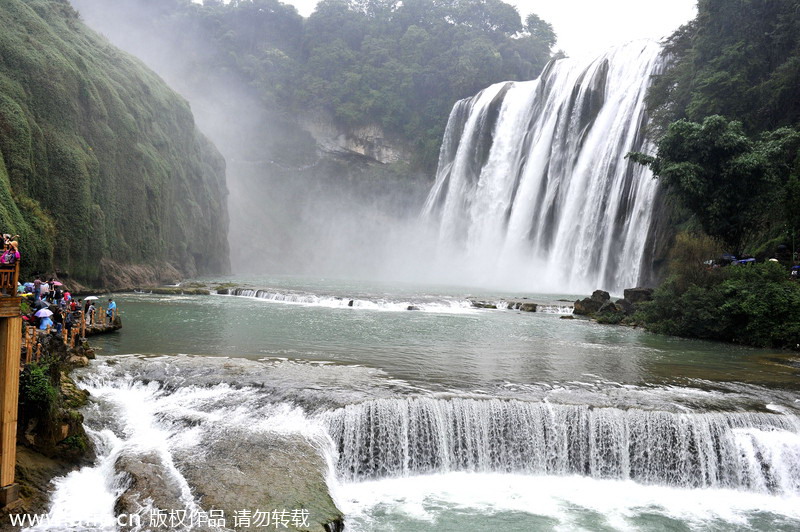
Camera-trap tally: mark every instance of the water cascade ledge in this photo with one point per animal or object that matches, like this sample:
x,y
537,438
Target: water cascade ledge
x,y
400,437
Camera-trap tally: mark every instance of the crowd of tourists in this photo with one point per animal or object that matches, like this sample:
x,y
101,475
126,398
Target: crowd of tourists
x,y
51,303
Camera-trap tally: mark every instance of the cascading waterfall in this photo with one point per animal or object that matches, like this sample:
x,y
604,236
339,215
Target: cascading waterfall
x,y
399,437
533,188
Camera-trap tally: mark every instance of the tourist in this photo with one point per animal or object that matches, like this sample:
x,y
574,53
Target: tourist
x,y
10,254
90,313
110,312
45,322
37,289
58,320
44,291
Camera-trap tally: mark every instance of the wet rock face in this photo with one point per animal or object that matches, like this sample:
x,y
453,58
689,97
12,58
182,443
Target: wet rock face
x,y
149,486
266,472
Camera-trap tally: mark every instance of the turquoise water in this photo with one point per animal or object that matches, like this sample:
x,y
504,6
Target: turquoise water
x,y
314,351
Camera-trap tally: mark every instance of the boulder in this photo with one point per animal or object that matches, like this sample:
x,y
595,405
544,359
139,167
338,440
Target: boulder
x,y
638,295
586,307
600,295
527,307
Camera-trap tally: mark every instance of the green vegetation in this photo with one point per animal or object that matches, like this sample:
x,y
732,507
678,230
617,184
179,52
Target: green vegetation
x,y
735,186
753,305
38,392
100,162
727,114
399,65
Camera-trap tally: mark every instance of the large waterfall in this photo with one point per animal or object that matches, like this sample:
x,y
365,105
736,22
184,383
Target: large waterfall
x,y
533,188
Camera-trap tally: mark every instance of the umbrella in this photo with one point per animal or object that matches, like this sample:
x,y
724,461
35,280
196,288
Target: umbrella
x,y
44,313
40,304
90,298
56,283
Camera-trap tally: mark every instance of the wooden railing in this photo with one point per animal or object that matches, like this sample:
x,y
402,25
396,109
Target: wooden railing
x,y
32,338
9,277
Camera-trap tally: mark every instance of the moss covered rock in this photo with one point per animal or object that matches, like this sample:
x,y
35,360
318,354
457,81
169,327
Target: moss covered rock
x,y
100,162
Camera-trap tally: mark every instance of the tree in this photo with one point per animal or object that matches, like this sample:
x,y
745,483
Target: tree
x,y
727,180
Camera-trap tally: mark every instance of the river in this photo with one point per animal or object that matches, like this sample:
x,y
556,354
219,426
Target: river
x,y
443,418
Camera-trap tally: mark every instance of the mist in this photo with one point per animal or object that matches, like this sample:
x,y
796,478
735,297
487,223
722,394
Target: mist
x,y
294,208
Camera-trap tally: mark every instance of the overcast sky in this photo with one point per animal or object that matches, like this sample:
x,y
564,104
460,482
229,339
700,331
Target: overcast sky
x,y
592,26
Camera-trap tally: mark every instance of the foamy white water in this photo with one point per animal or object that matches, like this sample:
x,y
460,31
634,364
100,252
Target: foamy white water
x,y
441,306
493,501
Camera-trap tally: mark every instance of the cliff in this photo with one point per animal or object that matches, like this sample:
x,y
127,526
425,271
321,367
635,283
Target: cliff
x,y
102,169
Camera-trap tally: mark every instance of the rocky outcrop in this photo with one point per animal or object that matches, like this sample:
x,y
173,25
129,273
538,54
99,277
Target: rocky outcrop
x,y
591,305
368,141
283,472
148,486
600,306
49,421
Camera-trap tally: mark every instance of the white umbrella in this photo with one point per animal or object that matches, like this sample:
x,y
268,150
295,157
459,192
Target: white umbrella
x,y
90,298
44,313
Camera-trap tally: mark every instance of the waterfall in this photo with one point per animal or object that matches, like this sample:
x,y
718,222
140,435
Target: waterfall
x,y
400,437
533,187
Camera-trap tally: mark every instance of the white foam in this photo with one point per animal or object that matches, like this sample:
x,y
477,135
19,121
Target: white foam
x,y
442,306
486,495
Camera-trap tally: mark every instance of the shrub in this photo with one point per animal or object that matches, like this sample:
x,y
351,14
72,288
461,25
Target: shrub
x,y
752,305
38,394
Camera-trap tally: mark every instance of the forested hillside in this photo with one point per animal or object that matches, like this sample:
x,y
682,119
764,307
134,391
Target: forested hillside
x,y
398,65
101,168
729,109
727,113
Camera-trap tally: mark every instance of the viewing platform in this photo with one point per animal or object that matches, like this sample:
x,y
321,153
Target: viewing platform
x,y
9,300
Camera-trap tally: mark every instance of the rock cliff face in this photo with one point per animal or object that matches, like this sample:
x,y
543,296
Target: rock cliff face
x,y
369,141
100,162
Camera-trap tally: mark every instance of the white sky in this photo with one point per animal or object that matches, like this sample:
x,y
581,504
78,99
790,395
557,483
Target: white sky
x,y
592,26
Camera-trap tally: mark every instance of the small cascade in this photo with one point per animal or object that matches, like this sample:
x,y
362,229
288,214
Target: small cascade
x,y
441,305
533,189
401,437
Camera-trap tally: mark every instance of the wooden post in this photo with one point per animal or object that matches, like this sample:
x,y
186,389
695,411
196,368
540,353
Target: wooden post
x,y
10,340
83,325
28,344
